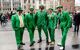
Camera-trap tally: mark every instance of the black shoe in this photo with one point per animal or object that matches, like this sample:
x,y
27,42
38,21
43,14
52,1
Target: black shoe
x,y
75,46
47,42
19,47
32,43
22,43
39,41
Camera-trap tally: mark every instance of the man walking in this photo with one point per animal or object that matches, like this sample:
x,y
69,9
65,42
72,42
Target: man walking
x,y
30,25
18,26
65,23
41,22
52,24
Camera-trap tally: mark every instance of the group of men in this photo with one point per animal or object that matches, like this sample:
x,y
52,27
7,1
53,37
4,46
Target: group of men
x,y
43,20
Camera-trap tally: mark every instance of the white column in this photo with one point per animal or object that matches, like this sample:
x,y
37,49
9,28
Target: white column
x,y
37,4
54,3
22,3
11,5
2,5
42,1
31,2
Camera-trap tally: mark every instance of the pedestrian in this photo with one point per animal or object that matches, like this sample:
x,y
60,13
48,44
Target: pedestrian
x,y
30,24
18,26
2,19
41,22
52,25
65,23
76,19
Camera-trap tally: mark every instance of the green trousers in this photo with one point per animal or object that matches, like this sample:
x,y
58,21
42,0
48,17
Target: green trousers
x,y
31,34
45,31
51,32
19,36
64,35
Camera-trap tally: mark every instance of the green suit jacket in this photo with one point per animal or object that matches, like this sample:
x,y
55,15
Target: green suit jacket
x,y
30,20
52,21
65,20
41,17
16,22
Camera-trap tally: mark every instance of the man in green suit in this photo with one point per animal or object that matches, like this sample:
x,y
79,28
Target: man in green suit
x,y
41,22
51,24
65,23
18,26
30,24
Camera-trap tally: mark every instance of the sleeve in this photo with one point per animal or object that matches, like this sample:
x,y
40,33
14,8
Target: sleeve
x,y
55,21
68,20
36,18
26,20
47,18
13,21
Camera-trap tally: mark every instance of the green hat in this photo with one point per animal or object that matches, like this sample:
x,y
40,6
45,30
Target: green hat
x,y
41,5
50,9
19,8
31,8
60,6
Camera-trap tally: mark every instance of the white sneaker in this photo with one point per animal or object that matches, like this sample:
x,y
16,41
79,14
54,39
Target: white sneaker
x,y
61,48
52,43
59,44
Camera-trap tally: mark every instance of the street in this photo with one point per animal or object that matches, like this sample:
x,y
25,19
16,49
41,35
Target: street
x,y
8,42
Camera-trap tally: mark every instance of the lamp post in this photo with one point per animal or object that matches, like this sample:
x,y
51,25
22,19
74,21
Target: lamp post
x,y
11,5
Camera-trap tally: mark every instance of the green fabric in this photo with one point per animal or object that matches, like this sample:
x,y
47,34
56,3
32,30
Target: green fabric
x,y
41,17
60,6
41,5
30,25
65,22
16,27
44,28
31,34
19,36
50,9
15,21
41,22
30,20
19,8
64,35
31,8
52,23
52,34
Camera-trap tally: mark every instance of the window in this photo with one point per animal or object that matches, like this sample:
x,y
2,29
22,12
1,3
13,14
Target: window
x,y
28,1
44,1
39,1
33,1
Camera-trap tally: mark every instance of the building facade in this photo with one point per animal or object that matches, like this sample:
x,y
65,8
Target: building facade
x,y
10,5
68,5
